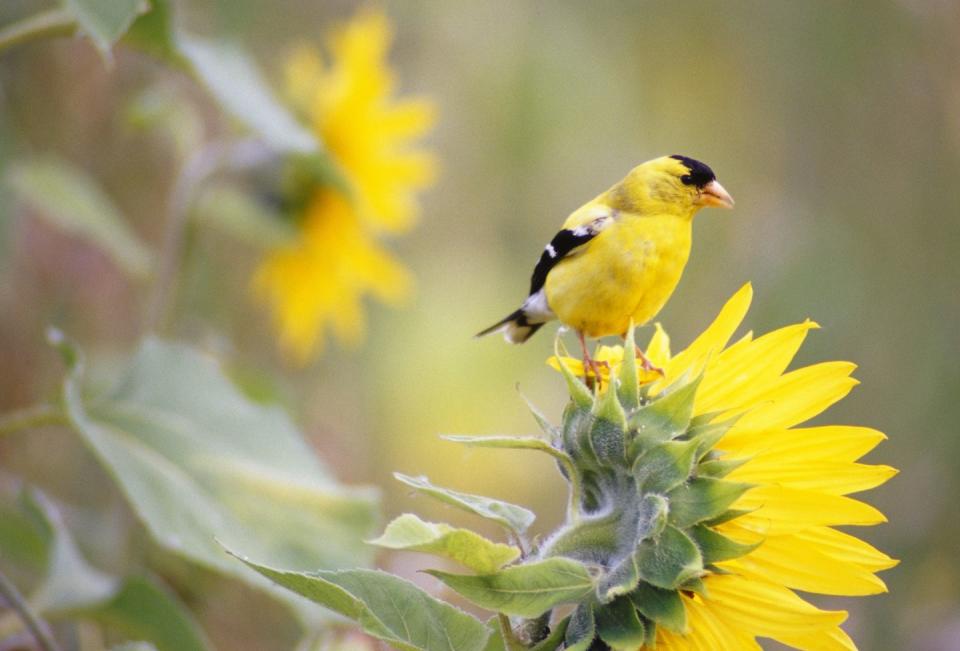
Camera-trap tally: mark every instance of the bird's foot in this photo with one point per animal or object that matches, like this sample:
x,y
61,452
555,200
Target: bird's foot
x,y
647,365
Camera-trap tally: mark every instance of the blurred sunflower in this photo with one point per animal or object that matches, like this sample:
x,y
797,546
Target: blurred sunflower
x,y
319,281
800,479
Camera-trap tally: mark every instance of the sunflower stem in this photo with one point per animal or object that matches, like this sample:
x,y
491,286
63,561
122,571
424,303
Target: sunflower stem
x,y
53,22
194,171
509,637
36,626
29,418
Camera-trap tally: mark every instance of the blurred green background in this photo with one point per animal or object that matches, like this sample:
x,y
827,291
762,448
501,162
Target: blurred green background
x,y
836,126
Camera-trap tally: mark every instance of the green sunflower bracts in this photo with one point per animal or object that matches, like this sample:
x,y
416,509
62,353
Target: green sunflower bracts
x,y
646,488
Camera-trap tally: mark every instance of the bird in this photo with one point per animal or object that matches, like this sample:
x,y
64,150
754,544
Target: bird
x,y
617,259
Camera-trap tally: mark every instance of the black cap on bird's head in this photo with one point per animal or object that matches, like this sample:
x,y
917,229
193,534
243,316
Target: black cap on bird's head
x,y
700,173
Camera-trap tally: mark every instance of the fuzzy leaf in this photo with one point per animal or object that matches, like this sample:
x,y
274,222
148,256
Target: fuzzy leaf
x,y
579,393
703,498
557,633
607,439
664,467
619,626
134,646
513,517
144,610
670,560
72,201
512,442
665,607
628,389
719,468
527,590
197,461
386,607
236,83
581,630
410,533
607,407
667,417
708,434
716,547
105,21
546,426
70,583
620,580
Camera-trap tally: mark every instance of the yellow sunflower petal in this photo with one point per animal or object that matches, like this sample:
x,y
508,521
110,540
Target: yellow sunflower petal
x,y
692,360
707,631
776,559
795,397
744,371
846,548
830,639
766,609
833,477
810,444
778,510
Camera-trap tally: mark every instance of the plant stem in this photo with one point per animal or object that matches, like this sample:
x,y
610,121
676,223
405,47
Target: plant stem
x,y
30,417
509,638
53,22
37,627
193,173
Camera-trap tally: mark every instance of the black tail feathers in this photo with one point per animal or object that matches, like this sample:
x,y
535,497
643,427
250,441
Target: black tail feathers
x,y
515,327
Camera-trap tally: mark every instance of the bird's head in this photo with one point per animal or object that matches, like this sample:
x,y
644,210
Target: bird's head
x,y
672,184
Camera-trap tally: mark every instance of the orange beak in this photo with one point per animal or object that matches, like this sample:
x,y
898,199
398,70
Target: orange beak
x,y
713,194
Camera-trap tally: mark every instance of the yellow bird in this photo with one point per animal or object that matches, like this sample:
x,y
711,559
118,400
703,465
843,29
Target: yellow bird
x,y
618,258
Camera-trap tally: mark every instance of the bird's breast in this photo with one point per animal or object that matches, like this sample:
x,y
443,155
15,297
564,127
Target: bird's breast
x,y
627,272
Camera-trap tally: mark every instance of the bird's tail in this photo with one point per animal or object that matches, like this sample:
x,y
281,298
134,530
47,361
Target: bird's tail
x,y
516,328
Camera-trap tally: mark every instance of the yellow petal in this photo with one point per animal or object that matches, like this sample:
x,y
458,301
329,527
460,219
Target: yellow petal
x,y
845,548
797,396
658,350
811,444
765,609
736,377
778,510
793,562
830,639
834,477
692,360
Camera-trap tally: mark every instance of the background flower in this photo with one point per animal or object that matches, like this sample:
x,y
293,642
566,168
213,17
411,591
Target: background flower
x,y
318,283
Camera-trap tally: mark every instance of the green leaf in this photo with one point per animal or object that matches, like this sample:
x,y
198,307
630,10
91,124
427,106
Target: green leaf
x,y
134,646
581,630
513,517
546,426
410,533
197,461
719,468
629,387
236,213
664,467
233,79
525,590
703,498
708,434
667,417
511,442
142,609
716,547
665,607
557,633
154,33
619,626
72,201
579,393
71,583
386,607
105,21
670,560
607,407
620,580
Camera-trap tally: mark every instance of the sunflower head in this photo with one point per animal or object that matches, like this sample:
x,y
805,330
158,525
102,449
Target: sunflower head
x,y
650,490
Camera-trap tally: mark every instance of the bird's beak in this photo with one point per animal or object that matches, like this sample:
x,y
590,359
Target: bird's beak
x,y
714,195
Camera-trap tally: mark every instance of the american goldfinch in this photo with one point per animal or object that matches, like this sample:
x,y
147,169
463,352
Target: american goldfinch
x,y
618,258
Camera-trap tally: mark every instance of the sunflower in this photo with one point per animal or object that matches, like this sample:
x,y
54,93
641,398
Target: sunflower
x,y
800,479
318,282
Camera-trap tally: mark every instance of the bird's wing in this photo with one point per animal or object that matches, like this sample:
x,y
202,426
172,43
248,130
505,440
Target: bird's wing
x,y
580,228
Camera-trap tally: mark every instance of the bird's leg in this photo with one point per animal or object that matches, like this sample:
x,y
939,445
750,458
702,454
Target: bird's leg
x,y
589,362
647,365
